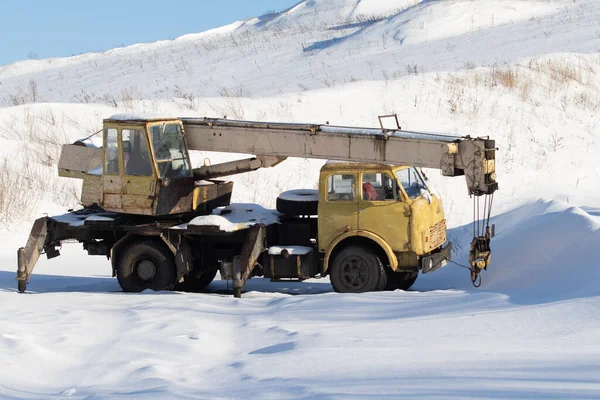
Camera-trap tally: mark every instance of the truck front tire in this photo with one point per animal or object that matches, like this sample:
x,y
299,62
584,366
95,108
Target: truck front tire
x,y
400,280
146,264
355,269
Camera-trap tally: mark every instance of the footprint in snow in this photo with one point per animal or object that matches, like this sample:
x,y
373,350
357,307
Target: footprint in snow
x,y
276,348
69,392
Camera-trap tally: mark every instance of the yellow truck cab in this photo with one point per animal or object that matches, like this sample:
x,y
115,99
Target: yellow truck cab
x,y
378,226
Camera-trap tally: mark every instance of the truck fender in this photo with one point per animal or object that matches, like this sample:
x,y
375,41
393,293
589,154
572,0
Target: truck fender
x,y
392,259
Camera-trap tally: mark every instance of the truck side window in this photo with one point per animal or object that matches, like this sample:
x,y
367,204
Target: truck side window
x,y
340,187
136,157
377,187
111,152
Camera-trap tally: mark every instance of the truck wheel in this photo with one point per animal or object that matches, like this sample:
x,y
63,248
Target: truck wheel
x,y
194,282
357,270
400,280
146,265
298,202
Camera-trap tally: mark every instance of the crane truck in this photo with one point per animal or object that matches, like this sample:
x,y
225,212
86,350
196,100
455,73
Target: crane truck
x,y
373,224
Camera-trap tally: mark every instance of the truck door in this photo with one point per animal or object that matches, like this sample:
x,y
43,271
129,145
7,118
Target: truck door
x,y
139,178
338,207
112,182
381,210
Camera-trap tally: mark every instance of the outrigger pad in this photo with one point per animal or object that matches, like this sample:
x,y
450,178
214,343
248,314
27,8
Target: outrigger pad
x,y
27,256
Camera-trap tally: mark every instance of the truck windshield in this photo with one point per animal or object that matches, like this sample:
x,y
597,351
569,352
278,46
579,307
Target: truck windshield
x,y
170,150
411,181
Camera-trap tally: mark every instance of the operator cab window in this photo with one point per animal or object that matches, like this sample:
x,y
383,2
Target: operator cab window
x,y
136,157
411,181
111,152
340,187
377,187
170,150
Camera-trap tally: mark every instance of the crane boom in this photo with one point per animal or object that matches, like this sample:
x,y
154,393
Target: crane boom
x,y
453,155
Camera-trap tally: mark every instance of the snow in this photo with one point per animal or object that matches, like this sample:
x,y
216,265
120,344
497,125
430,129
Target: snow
x,y
73,219
291,250
523,72
235,217
99,218
140,117
96,171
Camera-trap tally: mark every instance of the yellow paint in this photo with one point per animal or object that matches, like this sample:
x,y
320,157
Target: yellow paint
x,y
399,226
392,260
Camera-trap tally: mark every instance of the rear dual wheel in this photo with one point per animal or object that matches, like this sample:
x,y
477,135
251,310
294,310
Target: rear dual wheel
x,y
146,264
196,281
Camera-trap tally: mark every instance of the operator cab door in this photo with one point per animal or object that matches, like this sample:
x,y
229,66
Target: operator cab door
x,y
382,211
173,165
112,182
139,178
338,207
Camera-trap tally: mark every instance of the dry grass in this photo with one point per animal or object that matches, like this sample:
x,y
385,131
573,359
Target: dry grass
x,y
28,174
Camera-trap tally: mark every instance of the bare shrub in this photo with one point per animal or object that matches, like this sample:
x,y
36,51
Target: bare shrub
x,y
412,69
17,191
506,77
563,72
109,100
33,90
130,96
189,100
525,91
18,98
584,101
556,142
233,103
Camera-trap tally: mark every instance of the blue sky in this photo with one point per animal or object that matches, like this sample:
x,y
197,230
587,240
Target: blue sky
x,y
62,28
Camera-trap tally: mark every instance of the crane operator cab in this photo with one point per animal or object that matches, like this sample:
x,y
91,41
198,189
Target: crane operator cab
x,y
145,170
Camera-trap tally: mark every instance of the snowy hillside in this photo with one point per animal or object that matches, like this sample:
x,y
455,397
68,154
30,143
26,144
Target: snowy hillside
x,y
525,72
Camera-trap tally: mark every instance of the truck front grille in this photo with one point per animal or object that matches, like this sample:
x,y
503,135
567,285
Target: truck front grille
x,y
437,234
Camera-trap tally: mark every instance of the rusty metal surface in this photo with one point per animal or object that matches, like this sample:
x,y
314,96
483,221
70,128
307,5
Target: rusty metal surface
x,y
211,195
28,256
91,190
437,234
176,197
253,247
76,160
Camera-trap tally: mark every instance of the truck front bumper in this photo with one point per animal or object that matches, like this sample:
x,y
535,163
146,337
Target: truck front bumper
x,y
436,260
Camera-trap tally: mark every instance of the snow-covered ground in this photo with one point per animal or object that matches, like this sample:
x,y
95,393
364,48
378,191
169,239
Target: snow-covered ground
x,y
524,72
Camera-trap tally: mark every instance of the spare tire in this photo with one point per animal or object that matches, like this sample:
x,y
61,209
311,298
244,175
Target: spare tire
x,y
299,202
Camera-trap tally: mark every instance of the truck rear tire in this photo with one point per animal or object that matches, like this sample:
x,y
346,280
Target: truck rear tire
x,y
195,283
400,280
355,269
146,264
299,202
